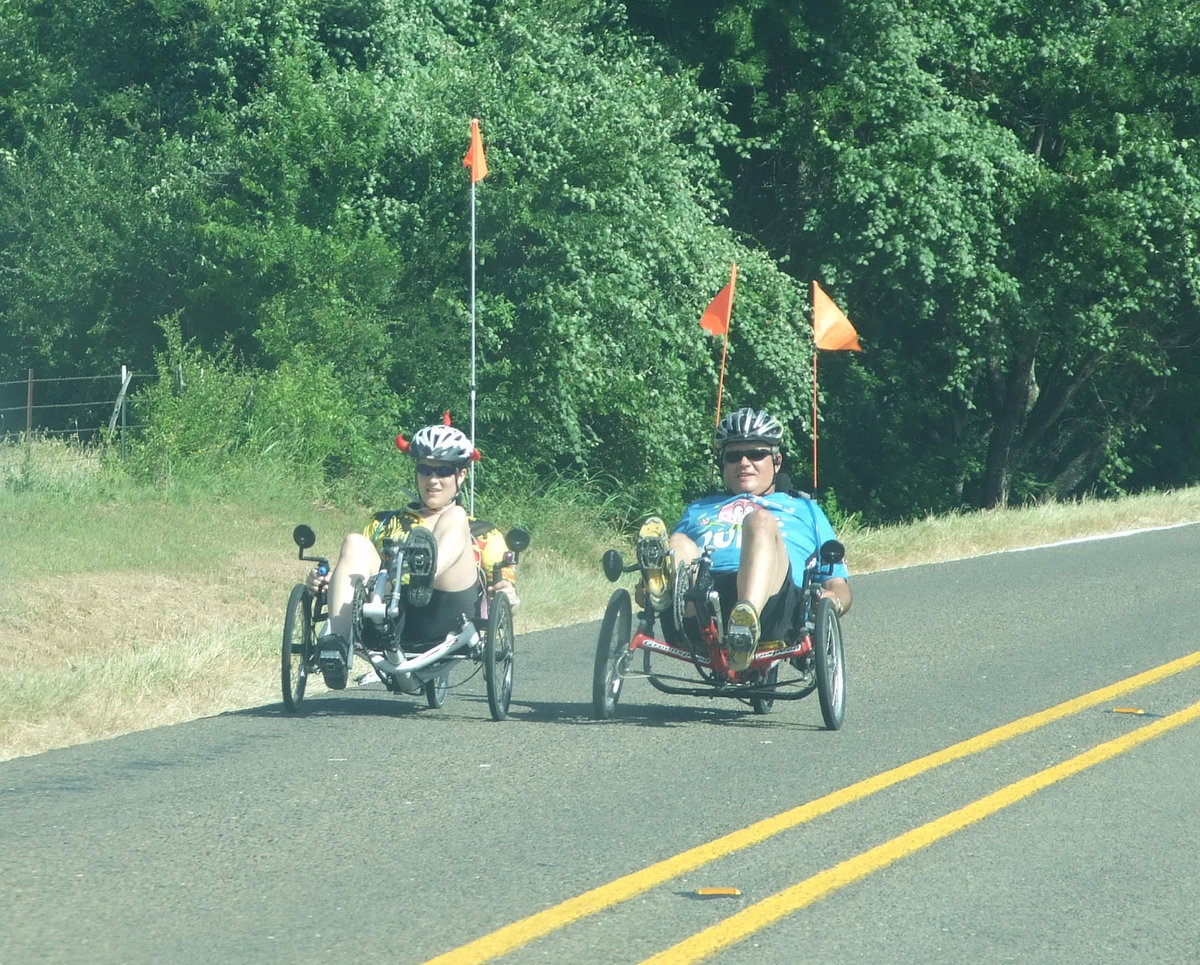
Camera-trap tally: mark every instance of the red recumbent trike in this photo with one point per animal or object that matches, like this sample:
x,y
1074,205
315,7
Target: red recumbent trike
x,y
692,630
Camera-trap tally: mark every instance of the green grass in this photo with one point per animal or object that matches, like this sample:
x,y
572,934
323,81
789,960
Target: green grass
x,y
128,606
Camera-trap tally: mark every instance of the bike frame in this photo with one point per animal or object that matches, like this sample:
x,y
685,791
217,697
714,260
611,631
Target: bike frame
x,y
712,663
464,645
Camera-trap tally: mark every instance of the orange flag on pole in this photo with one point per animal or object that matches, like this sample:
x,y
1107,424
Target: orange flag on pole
x,y
475,159
716,317
715,320
831,329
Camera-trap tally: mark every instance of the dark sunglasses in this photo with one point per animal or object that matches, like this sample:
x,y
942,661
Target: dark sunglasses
x,y
442,472
754,455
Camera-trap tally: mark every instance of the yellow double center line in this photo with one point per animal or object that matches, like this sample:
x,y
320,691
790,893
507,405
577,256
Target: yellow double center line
x,y
733,929
519,933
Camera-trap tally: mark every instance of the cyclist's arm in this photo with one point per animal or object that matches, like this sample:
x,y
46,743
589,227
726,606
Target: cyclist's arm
x,y
838,589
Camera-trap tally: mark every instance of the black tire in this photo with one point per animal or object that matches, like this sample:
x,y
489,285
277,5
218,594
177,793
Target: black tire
x,y
763,705
499,654
435,691
297,646
611,650
830,664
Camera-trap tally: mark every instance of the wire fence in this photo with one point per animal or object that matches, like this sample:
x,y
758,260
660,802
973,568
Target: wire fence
x,y
88,409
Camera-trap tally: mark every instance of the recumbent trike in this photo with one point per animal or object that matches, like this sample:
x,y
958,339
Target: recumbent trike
x,y
404,666
692,632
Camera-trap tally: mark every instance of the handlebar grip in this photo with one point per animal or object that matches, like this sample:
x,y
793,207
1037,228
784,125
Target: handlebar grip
x,y
507,561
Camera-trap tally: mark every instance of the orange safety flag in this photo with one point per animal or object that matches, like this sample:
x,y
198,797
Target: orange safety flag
x,y
831,329
716,317
475,159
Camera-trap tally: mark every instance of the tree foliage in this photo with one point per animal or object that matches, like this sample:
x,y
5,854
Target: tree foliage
x,y
1003,197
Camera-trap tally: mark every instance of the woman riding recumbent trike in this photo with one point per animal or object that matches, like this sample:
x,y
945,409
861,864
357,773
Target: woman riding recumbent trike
x,y
377,631
692,632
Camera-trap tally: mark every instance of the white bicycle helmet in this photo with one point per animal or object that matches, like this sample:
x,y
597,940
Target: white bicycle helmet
x,y
443,443
749,425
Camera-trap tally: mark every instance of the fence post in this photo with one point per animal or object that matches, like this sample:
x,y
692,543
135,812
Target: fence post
x,y
126,377
124,410
29,408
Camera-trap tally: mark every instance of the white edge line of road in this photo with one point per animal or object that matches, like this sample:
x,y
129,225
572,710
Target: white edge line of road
x,y
1041,546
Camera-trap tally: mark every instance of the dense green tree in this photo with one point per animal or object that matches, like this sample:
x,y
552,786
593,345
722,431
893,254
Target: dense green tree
x,y
1003,196
292,197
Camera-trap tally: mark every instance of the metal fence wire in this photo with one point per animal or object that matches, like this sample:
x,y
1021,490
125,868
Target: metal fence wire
x,y
85,408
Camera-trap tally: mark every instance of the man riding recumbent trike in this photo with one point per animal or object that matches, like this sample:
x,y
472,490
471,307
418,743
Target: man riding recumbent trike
x,y
749,590
417,593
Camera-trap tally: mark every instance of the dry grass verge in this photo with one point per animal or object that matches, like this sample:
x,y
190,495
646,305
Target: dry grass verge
x,y
133,615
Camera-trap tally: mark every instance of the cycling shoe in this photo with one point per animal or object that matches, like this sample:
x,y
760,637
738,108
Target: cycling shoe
x,y
420,564
741,636
654,560
332,652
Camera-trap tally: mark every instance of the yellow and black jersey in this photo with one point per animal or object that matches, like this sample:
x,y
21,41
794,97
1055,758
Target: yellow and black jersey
x,y
490,546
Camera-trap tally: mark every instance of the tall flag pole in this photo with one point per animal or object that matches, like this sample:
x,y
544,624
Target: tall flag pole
x,y
476,162
715,320
832,332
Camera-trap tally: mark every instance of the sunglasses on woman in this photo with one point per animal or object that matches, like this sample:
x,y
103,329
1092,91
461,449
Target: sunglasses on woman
x,y
442,472
754,455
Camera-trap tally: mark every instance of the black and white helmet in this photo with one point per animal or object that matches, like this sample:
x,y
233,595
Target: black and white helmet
x,y
443,443
749,425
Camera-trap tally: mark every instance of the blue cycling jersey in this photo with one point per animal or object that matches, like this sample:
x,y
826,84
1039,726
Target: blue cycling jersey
x,y
715,523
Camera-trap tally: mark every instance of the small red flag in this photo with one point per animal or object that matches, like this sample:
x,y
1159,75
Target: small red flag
x,y
716,317
831,329
475,159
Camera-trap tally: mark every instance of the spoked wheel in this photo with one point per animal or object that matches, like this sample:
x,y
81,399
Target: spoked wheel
x,y
763,705
611,651
498,655
297,646
435,691
830,664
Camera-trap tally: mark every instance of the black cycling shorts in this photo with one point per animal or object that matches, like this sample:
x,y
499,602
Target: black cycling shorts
x,y
779,618
444,614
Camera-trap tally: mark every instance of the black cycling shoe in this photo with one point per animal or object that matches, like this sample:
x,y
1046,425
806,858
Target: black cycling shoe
x,y
420,564
332,651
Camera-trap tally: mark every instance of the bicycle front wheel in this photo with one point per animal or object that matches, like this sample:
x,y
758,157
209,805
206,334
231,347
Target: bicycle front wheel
x,y
298,643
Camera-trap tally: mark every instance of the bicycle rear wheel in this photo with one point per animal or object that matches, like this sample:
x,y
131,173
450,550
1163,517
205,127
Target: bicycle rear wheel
x,y
763,705
435,691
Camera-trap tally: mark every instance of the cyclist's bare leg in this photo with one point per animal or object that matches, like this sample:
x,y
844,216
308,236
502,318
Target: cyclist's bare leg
x,y
358,558
683,547
764,560
456,567
685,551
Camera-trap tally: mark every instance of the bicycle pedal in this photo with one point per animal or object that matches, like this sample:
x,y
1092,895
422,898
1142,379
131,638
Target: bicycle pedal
x,y
652,555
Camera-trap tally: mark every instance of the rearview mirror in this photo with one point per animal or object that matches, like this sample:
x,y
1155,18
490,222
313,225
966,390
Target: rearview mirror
x,y
832,552
517,539
304,536
613,565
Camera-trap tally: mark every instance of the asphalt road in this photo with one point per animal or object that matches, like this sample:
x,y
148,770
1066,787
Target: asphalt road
x,y
963,813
